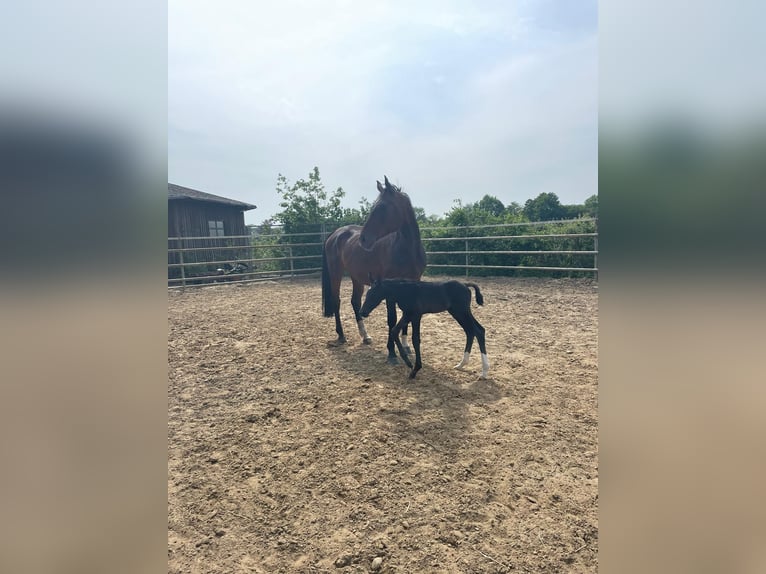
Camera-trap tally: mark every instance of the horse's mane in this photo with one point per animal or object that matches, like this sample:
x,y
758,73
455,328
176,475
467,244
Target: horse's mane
x,y
412,224
407,245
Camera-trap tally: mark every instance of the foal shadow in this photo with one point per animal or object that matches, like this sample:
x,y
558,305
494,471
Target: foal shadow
x,y
436,409
369,362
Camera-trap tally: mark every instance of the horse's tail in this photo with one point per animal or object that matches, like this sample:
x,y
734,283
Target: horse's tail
x,y
328,301
479,296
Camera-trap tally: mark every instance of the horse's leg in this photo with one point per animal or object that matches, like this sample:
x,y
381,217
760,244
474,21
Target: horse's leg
x,y
416,343
391,310
336,294
356,303
332,273
339,328
479,330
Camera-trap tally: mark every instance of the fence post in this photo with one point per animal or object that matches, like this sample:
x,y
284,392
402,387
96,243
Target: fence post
x,y
465,234
595,248
183,271
292,268
466,256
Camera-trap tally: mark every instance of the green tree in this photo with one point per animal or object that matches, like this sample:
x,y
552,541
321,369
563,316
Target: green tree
x,y
491,204
420,215
514,211
364,207
459,214
308,213
307,203
545,207
591,206
486,211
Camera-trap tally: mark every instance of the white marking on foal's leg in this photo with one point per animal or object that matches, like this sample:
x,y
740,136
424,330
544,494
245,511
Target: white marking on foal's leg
x,y
363,332
484,366
464,362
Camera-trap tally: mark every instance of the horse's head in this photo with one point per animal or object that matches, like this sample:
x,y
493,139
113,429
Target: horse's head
x,y
375,294
389,212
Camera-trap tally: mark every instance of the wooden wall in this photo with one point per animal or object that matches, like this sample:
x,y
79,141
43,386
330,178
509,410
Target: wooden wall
x,y
189,218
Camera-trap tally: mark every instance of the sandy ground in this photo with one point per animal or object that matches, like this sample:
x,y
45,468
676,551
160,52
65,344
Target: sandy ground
x,y
288,455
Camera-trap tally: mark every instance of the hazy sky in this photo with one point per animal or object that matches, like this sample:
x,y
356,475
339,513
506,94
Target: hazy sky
x,y
450,99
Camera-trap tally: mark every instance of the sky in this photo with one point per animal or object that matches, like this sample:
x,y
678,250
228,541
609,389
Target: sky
x,y
450,99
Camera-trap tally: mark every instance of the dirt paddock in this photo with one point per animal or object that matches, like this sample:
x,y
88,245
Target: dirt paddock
x,y
288,455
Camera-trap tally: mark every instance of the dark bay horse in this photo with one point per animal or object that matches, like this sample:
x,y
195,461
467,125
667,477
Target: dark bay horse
x,y
388,245
416,298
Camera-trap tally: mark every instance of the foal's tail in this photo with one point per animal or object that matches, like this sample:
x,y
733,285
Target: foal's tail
x,y
479,296
328,301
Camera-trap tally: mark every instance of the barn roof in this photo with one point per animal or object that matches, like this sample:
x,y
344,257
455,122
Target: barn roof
x,y
180,192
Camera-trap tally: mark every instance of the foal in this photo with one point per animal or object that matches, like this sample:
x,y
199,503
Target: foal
x,y
416,298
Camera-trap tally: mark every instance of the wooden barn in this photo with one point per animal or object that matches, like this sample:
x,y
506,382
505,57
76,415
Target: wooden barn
x,y
193,213
202,219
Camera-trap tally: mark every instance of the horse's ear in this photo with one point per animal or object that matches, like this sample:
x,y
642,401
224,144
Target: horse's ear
x,y
381,189
385,178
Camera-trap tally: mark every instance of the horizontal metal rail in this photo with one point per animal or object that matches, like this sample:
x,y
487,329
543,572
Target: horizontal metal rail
x,y
211,238
515,224
316,244
514,267
272,277
422,230
249,246
198,263
220,245
227,278
332,226
469,252
328,231
540,236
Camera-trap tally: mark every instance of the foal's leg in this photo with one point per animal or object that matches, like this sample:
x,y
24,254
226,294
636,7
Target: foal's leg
x,y
473,329
395,335
416,343
356,303
479,330
467,324
406,345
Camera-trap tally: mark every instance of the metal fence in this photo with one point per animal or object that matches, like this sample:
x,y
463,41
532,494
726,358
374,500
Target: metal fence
x,y
567,247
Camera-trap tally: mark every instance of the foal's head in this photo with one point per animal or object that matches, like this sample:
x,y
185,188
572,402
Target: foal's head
x,y
390,212
375,294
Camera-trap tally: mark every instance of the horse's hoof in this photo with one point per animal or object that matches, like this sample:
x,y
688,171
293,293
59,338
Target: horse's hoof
x,y
367,340
337,342
392,361
407,351
412,374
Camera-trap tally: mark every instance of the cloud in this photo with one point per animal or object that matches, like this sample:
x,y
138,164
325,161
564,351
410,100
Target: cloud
x,y
451,99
